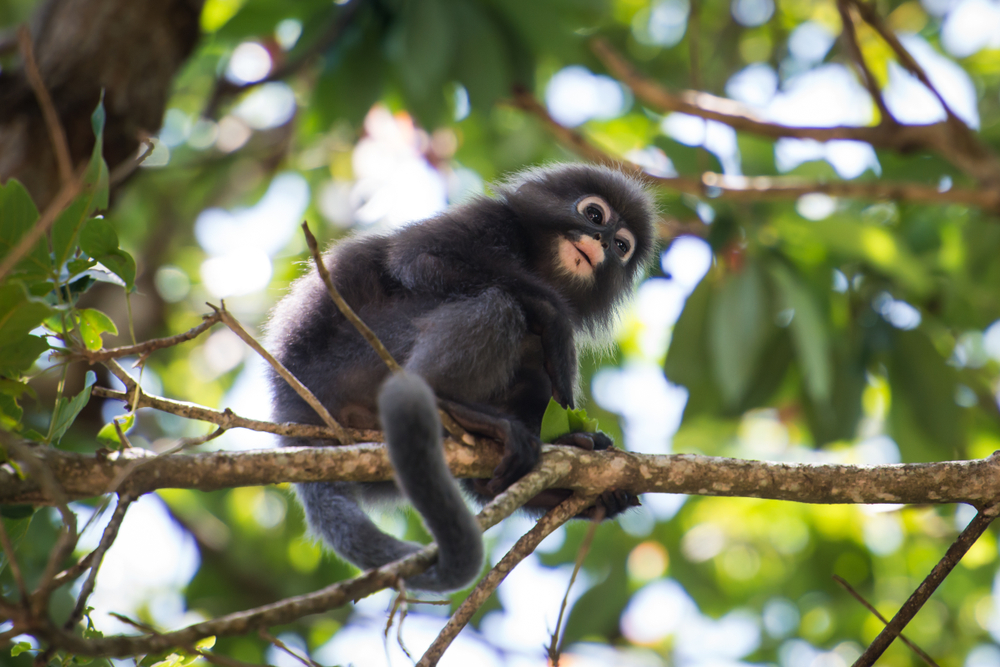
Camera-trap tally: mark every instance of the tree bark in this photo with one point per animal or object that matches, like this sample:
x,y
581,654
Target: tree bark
x,y
130,49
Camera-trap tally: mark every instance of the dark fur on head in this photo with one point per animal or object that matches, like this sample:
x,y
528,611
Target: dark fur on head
x,y
482,303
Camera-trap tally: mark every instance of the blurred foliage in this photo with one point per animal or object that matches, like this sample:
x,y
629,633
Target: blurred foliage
x,y
857,337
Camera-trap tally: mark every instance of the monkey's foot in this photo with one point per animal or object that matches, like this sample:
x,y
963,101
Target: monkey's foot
x,y
612,502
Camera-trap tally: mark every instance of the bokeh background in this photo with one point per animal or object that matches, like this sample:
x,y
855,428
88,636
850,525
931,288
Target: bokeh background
x,y
816,329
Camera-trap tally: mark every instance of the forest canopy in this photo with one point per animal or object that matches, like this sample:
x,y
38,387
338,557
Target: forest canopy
x,y
806,383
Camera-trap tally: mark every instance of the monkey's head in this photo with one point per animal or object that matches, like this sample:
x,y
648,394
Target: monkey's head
x,y
593,231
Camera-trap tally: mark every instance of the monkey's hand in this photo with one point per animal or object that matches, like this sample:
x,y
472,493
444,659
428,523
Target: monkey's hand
x,y
613,501
521,447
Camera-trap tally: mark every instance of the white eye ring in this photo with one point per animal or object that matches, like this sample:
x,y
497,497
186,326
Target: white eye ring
x,y
594,200
627,237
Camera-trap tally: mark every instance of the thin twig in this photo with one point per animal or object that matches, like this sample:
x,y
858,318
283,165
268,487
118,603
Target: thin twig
x,y
286,375
143,349
107,539
60,146
927,587
555,646
227,418
960,145
73,571
854,51
305,660
345,308
874,19
182,443
867,605
15,567
555,517
125,169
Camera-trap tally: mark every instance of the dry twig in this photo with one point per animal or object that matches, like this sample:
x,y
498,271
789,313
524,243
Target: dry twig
x,y
146,347
555,646
555,517
854,51
60,146
107,539
286,375
867,605
927,587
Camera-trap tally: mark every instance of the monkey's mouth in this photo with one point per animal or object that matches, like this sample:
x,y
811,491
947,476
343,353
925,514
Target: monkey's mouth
x,y
583,254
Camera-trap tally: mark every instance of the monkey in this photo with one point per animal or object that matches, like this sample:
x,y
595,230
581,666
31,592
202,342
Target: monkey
x,y
482,306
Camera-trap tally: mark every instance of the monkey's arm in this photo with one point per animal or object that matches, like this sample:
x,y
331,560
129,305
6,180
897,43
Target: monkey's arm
x,y
547,314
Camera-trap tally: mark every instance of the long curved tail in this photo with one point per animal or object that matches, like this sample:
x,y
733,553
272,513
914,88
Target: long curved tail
x,y
413,435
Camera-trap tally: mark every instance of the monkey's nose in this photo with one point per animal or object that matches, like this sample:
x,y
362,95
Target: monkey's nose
x,y
597,237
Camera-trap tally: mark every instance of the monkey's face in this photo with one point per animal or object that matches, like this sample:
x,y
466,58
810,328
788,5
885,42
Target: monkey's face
x,y
581,252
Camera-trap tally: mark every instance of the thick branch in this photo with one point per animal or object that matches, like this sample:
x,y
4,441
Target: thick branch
x,y
975,482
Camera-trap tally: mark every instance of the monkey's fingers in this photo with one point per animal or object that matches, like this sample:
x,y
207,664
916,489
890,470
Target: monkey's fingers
x,y
614,502
512,468
586,441
562,387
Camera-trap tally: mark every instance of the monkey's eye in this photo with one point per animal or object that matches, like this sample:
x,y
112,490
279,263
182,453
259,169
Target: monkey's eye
x,y
594,209
624,244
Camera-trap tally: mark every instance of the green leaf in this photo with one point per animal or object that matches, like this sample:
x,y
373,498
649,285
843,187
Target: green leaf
x,y
92,324
738,328
97,180
925,420
17,216
580,422
66,409
18,356
16,511
482,58
66,229
555,422
19,314
687,361
99,240
808,327
20,647
422,47
353,79
108,435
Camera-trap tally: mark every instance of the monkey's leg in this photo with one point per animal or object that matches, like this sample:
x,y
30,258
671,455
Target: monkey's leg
x,y
468,351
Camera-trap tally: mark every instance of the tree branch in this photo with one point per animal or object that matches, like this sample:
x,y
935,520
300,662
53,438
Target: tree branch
x,y
975,482
956,144
763,188
555,517
227,418
146,347
292,608
927,587
285,374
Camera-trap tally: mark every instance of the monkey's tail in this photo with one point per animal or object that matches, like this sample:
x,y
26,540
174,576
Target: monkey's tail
x,y
413,436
